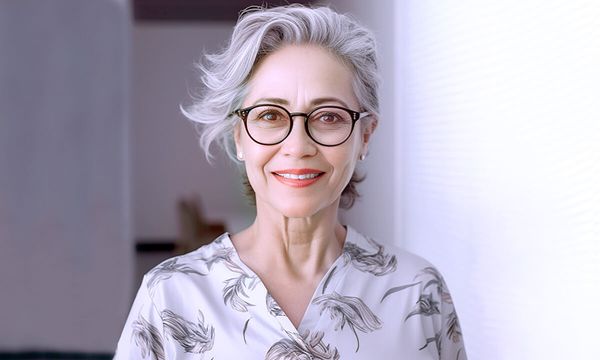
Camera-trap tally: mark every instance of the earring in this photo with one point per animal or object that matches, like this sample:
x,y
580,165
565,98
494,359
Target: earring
x,y
240,156
362,157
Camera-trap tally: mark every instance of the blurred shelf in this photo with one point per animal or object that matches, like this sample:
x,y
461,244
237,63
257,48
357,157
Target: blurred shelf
x,y
148,245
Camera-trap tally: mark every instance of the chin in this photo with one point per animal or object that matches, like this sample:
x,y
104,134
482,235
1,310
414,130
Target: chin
x,y
301,208
298,211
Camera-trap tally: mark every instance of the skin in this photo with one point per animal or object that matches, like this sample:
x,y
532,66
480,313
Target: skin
x,y
296,235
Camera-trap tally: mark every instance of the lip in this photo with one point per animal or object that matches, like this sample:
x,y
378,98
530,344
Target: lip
x,y
298,183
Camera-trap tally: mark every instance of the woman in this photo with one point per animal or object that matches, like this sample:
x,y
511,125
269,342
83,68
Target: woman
x,y
294,99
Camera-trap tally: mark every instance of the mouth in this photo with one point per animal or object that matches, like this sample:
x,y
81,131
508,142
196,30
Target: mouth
x,y
298,177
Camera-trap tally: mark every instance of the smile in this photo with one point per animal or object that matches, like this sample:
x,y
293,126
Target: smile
x,y
298,177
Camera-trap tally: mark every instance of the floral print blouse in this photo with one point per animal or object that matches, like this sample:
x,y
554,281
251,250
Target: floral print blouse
x,y
375,302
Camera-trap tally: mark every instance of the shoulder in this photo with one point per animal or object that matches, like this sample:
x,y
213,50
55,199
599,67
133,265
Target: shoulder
x,y
406,271
384,257
195,264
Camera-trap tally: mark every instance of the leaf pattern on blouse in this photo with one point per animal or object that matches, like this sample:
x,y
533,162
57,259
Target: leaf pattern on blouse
x,y
221,254
235,289
304,346
437,340
220,239
245,329
167,269
396,289
328,279
273,307
147,337
348,310
377,263
453,332
437,281
194,338
426,306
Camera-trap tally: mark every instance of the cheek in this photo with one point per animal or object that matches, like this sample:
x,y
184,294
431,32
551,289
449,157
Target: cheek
x,y
344,164
348,171
256,158
254,178
254,165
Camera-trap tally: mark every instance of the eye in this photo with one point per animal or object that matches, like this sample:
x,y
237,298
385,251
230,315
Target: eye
x,y
328,117
269,116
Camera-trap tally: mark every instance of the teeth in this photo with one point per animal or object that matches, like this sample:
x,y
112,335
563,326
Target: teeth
x,y
299,177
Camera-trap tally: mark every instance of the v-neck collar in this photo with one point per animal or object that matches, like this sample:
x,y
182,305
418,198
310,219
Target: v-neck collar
x,y
328,283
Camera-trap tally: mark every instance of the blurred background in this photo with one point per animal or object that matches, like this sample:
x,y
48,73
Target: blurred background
x,y
486,162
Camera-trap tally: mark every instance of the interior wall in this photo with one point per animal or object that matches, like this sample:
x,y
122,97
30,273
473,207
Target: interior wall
x,y
501,167
167,160
377,212
66,251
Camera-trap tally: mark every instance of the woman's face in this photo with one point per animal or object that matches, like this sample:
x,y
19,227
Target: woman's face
x,y
300,78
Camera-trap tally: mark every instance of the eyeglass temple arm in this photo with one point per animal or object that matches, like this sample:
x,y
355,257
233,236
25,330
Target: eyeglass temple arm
x,y
363,114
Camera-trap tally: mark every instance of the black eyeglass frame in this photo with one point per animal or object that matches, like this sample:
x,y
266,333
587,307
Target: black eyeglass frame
x,y
355,115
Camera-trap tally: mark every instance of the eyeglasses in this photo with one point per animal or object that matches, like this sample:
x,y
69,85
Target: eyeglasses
x,y
269,124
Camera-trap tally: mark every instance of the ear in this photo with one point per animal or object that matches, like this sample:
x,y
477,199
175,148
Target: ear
x,y
236,137
367,130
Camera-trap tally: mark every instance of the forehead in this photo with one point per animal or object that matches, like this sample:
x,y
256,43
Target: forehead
x,y
300,74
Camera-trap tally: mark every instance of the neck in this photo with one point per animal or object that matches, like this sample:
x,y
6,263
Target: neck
x,y
303,247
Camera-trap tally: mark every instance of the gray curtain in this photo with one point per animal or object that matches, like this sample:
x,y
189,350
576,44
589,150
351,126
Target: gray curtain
x,y
65,249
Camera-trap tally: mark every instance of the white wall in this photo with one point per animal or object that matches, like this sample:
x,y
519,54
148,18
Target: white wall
x,y
377,212
167,160
501,166
65,245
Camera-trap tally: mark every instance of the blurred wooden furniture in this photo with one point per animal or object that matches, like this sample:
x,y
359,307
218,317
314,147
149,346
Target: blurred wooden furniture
x,y
194,229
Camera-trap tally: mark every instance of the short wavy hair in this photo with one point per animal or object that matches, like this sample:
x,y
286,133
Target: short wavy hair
x,y
261,31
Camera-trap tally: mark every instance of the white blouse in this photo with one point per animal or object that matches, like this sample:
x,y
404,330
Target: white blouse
x,y
375,301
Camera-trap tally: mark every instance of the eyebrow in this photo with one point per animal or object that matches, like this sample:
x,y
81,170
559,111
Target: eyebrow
x,y
314,102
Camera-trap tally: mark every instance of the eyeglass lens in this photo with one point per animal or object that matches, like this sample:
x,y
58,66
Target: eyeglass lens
x,y
269,124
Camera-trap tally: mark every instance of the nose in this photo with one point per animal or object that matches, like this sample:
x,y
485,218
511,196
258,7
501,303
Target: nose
x,y
298,143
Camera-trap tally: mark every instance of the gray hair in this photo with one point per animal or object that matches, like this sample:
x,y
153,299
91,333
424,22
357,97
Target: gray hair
x,y
261,31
